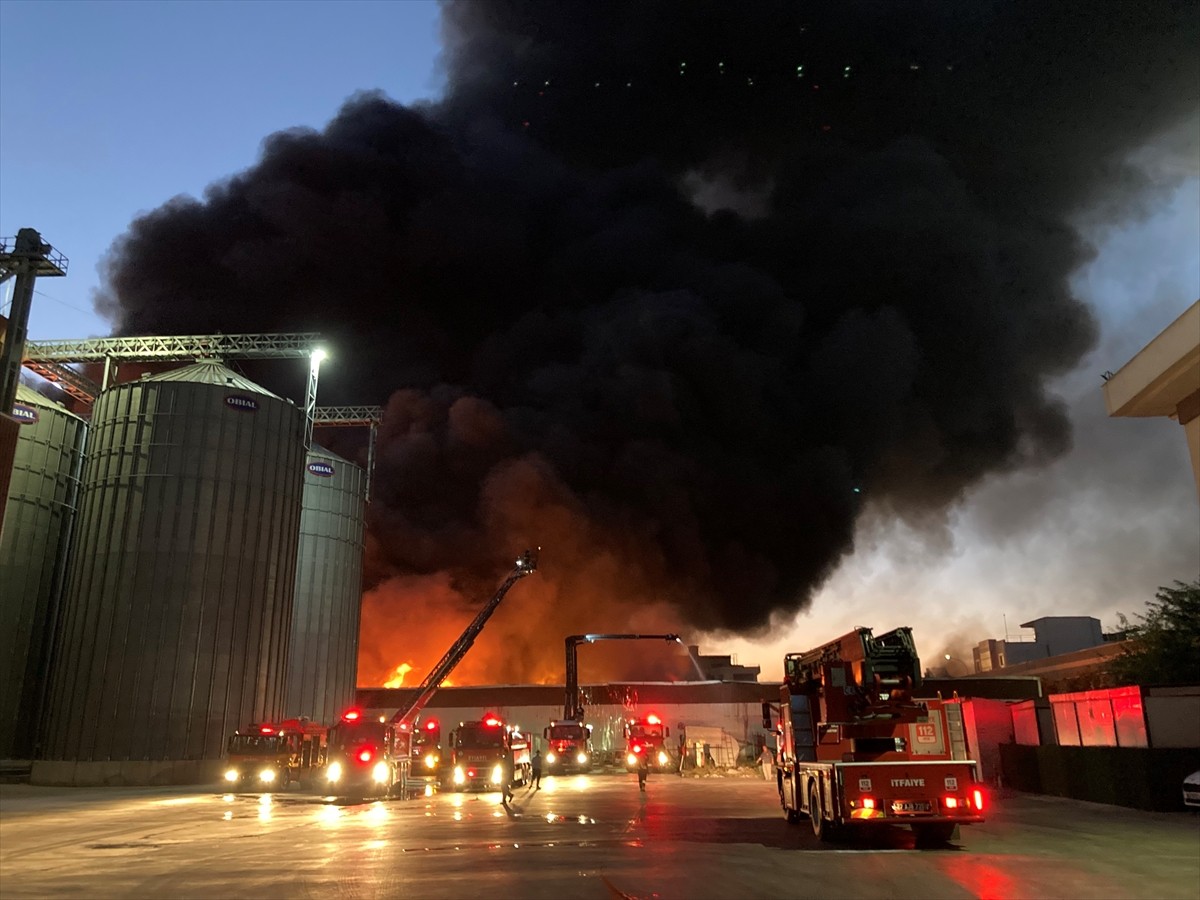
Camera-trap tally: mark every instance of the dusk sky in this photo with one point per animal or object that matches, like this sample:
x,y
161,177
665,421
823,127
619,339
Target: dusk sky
x,y
109,110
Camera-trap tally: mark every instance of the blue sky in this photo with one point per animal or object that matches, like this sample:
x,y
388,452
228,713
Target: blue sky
x,y
109,109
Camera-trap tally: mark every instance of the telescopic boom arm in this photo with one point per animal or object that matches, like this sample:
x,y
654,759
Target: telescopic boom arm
x,y
526,564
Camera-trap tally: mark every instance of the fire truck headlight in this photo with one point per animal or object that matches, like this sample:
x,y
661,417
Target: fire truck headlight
x,y
381,773
460,777
334,772
662,758
631,759
550,757
430,761
231,775
267,775
581,758
498,775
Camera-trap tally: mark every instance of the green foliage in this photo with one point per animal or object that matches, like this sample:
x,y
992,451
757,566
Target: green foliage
x,y
1165,645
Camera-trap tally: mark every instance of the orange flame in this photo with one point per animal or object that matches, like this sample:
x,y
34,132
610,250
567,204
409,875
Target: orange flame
x,y
397,679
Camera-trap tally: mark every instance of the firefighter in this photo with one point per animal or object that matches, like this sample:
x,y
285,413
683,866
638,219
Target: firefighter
x,y
643,770
537,770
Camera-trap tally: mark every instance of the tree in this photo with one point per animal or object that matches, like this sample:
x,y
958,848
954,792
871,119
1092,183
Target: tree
x,y
1164,646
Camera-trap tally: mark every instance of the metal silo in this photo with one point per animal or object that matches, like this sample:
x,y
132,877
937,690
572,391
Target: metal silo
x,y
177,612
33,553
323,659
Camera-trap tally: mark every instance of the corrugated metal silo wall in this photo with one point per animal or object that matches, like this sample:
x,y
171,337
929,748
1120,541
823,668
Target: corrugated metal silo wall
x,y
33,545
177,612
323,659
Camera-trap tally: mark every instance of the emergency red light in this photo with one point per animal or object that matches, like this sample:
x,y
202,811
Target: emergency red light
x,y
652,719
868,803
637,748
266,729
364,755
978,795
492,721
351,715
950,802
431,725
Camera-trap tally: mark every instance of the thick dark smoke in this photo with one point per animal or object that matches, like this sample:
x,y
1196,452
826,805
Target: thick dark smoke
x,y
640,277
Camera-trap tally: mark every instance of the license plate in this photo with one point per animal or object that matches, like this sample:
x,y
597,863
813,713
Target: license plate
x,y
911,806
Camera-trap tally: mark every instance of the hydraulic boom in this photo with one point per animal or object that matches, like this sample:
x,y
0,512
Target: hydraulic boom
x,y
526,564
573,708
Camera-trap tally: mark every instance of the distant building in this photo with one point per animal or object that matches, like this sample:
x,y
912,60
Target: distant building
x,y
1052,636
722,668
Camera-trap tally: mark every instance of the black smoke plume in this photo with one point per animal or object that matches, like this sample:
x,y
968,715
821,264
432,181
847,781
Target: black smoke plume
x,y
690,280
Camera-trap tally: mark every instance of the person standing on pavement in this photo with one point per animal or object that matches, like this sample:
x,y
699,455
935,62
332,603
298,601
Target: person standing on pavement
x,y
767,761
537,770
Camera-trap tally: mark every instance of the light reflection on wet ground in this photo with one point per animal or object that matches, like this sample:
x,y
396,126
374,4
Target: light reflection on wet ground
x,y
682,838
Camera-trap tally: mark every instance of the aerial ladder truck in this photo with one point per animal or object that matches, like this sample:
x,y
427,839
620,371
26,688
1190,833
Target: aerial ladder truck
x,y
856,749
372,757
569,740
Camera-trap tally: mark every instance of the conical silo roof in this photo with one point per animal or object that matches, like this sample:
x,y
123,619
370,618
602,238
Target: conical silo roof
x,y
212,372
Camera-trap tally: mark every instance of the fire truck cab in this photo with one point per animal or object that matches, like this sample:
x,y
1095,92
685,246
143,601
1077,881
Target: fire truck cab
x,y
272,756
488,755
568,747
855,749
366,758
427,750
645,738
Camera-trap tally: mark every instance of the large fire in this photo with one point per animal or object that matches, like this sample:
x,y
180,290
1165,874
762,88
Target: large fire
x,y
397,679
590,579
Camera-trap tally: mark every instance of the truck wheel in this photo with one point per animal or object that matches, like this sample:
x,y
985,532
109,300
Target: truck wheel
x,y
821,828
933,834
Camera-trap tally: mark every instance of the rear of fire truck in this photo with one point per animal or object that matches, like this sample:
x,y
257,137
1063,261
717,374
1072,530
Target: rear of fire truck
x,y
645,738
855,750
488,755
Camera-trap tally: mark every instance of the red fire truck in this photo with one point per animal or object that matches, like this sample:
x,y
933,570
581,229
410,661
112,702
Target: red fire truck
x,y
369,757
855,749
366,758
427,750
646,735
271,756
568,747
489,754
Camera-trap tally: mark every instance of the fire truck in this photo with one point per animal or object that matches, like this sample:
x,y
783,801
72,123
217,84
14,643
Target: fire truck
x,y
427,750
645,737
568,747
489,754
856,750
366,757
569,741
273,756
371,758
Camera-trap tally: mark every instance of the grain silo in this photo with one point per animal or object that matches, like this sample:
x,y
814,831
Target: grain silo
x,y
323,659
177,612
41,502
